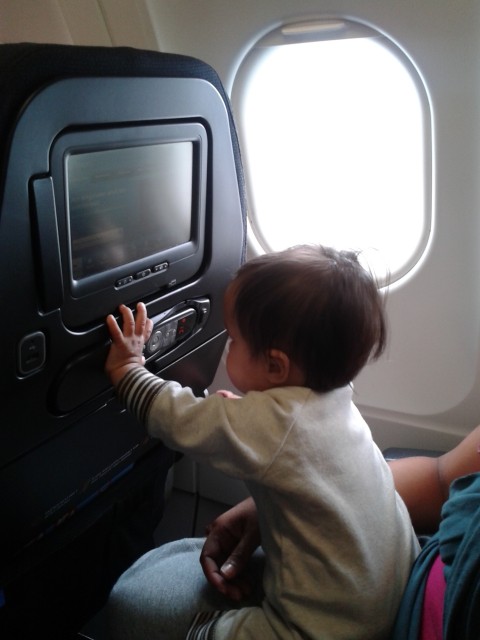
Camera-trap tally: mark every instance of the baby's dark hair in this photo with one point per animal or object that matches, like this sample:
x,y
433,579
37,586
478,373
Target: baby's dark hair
x,y
318,305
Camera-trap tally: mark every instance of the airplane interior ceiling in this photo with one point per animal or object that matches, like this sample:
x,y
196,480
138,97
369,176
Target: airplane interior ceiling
x,y
428,382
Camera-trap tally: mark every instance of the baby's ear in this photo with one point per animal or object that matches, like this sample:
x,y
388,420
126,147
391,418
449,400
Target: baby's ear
x,y
278,367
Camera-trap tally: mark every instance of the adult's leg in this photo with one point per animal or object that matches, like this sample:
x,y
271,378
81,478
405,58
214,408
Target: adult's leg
x,y
158,596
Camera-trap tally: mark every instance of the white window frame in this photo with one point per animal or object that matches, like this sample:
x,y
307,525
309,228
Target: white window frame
x,y
335,29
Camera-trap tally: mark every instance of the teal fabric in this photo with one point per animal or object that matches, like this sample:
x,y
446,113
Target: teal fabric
x,y
458,542
459,537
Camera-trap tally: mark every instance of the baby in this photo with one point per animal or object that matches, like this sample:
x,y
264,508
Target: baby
x,y
337,538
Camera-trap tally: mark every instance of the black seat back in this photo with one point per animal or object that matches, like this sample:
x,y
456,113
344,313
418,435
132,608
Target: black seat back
x,y
120,181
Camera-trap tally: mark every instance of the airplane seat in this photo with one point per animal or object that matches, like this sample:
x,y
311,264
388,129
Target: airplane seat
x,y
120,181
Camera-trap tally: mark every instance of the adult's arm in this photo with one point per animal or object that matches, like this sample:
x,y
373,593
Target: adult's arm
x,y
424,482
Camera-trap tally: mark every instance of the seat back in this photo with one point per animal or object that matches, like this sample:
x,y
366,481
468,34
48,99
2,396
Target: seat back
x,y
120,181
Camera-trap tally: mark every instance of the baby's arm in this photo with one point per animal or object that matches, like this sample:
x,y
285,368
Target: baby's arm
x,y
230,542
126,352
423,482
227,394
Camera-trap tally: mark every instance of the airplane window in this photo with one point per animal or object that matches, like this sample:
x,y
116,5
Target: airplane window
x,y
335,129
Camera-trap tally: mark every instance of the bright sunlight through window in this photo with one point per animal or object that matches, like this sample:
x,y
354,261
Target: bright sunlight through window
x,y
335,139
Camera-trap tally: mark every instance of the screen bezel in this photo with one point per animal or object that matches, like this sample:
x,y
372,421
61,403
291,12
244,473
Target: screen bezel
x,y
189,254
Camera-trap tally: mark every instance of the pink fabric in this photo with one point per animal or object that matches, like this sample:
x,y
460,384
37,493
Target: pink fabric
x,y
432,615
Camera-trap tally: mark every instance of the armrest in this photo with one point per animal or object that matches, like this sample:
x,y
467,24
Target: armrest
x,y
394,453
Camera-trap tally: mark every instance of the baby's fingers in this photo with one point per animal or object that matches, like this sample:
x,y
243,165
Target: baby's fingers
x,y
113,328
143,324
128,320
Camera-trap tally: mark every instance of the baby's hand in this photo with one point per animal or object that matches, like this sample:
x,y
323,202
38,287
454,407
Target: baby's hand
x,y
126,351
227,394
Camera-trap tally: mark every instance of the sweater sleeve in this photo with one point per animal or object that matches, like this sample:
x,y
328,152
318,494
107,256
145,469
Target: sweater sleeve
x,y
240,437
137,391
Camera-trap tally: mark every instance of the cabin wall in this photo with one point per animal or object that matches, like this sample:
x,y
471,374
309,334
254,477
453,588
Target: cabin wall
x,y
425,390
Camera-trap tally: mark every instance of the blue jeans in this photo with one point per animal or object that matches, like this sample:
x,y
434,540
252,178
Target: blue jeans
x,y
159,595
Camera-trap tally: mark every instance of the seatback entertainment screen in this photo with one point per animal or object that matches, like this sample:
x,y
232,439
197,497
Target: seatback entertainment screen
x,y
128,203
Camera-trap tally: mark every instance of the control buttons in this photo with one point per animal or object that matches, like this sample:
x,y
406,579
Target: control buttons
x,y
170,332
186,324
31,353
143,273
163,338
121,282
203,309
